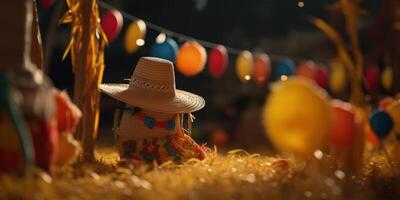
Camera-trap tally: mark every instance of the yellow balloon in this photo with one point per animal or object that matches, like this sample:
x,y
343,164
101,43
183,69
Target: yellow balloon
x,y
394,111
297,116
191,58
337,78
387,78
244,66
134,36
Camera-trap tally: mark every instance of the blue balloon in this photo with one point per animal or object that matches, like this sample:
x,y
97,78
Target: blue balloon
x,y
166,50
381,123
285,67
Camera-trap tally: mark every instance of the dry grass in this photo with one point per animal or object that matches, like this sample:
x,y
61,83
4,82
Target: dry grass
x,y
236,175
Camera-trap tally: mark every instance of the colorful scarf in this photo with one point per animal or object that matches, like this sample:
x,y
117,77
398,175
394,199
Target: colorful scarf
x,y
177,147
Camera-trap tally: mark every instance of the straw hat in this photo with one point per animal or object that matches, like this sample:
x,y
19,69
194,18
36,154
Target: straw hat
x,y
152,87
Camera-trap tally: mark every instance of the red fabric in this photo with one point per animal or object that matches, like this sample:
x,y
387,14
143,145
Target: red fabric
x,y
68,114
45,141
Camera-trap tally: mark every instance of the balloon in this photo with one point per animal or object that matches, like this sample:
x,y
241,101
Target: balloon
x,y
337,78
262,69
191,58
134,36
244,66
284,68
394,111
321,77
111,23
344,124
217,61
219,137
297,116
387,78
371,78
370,135
307,69
385,103
166,50
381,123
47,3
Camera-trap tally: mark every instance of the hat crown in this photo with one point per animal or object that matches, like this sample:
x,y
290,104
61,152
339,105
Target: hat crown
x,y
155,75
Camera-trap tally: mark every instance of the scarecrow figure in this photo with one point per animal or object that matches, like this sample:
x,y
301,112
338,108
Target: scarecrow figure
x,y
149,122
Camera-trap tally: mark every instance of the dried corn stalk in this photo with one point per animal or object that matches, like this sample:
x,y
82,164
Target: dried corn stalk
x,y
352,58
86,48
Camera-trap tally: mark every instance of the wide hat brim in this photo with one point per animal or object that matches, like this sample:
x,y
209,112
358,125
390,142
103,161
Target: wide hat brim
x,y
182,102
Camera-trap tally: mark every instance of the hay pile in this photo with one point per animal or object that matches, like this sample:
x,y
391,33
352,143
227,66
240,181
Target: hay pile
x,y
236,175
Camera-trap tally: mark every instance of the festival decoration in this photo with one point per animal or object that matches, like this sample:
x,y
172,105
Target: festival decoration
x,y
370,136
344,125
67,119
134,36
381,123
191,58
394,111
337,78
217,61
219,137
284,69
68,150
321,76
16,151
302,104
307,69
387,78
47,3
87,58
371,78
111,23
385,103
244,66
262,69
166,49
347,136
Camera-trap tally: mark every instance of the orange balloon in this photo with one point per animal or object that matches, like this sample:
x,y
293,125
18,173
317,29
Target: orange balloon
x,y
191,58
385,102
262,68
219,137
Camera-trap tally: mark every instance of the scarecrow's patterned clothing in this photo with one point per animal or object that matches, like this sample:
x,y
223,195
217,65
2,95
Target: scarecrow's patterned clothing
x,y
177,147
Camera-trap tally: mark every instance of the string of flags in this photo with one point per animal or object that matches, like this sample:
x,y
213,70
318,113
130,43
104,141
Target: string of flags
x,y
191,58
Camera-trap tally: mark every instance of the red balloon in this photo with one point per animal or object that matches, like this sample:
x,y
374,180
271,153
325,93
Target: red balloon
x,y
321,77
371,78
344,126
306,69
217,61
262,68
47,3
111,23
